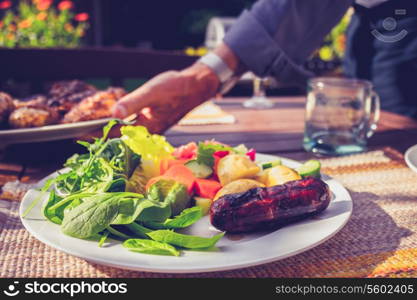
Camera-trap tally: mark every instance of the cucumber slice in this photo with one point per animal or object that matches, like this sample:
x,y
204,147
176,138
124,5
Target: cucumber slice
x,y
310,168
203,203
271,164
199,170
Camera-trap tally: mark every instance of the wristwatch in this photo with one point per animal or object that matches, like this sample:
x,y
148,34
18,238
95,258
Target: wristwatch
x,y
226,75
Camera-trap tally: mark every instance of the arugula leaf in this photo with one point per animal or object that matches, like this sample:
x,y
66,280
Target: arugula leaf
x,y
183,240
54,215
150,247
120,157
187,217
44,189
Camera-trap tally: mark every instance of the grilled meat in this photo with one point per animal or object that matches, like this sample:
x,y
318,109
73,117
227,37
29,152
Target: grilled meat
x,y
26,117
64,95
270,207
35,101
6,106
94,107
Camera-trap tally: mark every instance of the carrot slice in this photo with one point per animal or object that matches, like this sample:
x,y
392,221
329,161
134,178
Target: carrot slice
x,y
181,174
207,188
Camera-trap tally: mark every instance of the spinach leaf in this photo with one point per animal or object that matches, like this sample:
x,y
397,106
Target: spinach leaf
x,y
183,240
187,217
117,233
103,238
154,211
150,247
129,208
139,230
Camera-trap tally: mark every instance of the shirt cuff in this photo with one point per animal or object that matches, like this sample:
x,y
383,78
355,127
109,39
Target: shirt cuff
x,y
260,53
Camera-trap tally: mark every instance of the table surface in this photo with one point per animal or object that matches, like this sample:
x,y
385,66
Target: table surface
x,y
378,241
276,131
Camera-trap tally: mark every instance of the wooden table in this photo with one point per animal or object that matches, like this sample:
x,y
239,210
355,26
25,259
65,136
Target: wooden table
x,y
276,131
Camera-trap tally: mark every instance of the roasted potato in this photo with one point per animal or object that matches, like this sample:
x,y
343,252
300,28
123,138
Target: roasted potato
x,y
234,166
278,175
238,186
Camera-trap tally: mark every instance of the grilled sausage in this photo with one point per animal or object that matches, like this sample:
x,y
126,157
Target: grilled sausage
x,y
270,207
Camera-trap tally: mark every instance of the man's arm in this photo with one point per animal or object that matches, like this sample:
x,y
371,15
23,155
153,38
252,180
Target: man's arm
x,y
273,38
276,37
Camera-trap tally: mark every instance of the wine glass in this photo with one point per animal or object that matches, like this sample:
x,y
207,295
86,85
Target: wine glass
x,y
259,100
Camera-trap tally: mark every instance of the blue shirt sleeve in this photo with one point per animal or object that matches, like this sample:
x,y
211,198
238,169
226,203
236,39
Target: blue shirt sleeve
x,y
275,37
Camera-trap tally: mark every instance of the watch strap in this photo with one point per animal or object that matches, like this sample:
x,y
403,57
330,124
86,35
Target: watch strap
x,y
219,67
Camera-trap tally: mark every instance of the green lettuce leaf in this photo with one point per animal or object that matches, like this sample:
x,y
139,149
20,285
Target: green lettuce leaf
x,y
152,148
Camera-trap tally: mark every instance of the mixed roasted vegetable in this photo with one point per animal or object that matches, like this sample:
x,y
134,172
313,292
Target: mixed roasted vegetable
x,y
142,191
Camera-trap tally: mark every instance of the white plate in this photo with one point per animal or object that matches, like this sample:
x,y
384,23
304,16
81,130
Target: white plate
x,y
235,251
50,132
411,158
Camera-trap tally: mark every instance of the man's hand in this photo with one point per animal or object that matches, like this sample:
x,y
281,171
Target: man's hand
x,y
166,98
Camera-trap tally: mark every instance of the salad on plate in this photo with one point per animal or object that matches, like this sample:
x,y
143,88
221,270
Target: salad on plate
x,y
140,190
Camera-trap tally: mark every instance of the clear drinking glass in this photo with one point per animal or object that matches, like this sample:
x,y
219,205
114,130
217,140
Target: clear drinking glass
x,y
341,114
259,99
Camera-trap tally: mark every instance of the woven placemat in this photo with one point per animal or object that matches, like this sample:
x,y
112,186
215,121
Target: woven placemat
x,y
380,240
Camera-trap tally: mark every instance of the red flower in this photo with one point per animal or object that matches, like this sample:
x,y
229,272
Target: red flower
x,y
43,4
81,17
65,5
5,4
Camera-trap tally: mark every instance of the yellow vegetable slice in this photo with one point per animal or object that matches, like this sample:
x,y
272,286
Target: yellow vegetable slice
x,y
280,175
238,186
234,166
262,176
204,203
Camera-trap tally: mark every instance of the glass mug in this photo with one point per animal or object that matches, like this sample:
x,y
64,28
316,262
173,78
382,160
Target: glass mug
x,y
341,114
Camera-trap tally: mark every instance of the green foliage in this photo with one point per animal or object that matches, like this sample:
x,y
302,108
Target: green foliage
x,y
39,24
335,42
